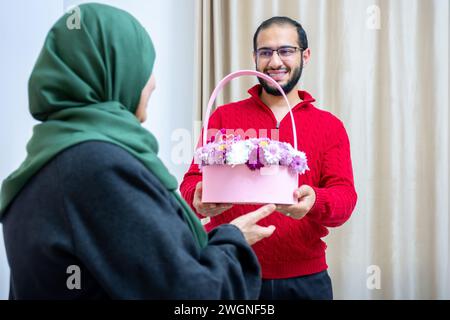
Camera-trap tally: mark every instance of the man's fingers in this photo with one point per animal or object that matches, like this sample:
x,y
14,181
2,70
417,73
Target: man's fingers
x,y
206,208
261,213
304,190
198,191
285,208
213,208
199,188
301,192
226,207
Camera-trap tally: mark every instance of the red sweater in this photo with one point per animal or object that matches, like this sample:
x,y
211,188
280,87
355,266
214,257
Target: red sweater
x,y
295,248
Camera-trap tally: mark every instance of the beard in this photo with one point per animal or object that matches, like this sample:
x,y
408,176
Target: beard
x,y
292,82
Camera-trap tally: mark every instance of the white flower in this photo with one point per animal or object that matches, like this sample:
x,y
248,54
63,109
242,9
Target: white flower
x,y
295,152
238,153
200,156
300,154
272,153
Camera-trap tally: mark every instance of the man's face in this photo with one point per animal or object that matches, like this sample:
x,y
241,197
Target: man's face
x,y
287,69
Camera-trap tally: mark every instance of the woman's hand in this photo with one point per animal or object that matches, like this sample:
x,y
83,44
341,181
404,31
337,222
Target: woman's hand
x,y
247,224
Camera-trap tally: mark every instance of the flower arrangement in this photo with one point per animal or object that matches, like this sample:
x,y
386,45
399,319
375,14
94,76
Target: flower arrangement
x,y
254,152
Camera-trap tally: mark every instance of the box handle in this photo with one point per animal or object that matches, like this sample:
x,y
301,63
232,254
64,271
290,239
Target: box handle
x,y
237,74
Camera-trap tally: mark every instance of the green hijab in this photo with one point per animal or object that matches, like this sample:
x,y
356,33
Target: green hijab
x,y
86,85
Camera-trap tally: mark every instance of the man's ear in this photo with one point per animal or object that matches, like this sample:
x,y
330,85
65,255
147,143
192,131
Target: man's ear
x,y
306,55
254,57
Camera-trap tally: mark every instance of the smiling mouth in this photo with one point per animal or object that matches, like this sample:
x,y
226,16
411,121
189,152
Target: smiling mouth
x,y
277,75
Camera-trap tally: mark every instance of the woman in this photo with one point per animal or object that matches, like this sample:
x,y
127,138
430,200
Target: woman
x,y
92,212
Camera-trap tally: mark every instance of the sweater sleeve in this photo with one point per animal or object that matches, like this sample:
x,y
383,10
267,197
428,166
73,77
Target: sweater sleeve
x,y
193,175
187,186
130,234
335,196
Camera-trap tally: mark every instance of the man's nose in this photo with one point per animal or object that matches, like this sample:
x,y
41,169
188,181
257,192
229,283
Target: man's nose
x,y
275,61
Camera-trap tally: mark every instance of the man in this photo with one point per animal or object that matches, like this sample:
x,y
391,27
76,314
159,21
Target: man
x,y
293,259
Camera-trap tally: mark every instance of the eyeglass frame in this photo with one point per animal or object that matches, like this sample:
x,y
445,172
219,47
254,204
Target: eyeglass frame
x,y
277,50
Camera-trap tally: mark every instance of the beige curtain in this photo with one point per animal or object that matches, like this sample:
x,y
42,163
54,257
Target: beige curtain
x,y
382,68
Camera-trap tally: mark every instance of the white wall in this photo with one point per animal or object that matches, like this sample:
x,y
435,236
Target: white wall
x,y
23,27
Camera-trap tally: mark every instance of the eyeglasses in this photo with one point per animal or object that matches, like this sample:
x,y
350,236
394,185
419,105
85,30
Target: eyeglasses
x,y
283,52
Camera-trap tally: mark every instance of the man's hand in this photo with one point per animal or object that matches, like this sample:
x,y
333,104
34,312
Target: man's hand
x,y
247,224
305,197
207,209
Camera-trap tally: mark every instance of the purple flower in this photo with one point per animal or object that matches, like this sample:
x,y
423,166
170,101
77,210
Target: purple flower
x,y
286,155
216,157
254,152
298,164
254,159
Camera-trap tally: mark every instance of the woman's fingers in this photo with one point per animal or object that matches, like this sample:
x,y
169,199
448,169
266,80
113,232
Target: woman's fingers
x,y
265,232
260,213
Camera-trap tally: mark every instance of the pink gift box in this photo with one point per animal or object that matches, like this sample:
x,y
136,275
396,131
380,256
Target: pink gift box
x,y
239,184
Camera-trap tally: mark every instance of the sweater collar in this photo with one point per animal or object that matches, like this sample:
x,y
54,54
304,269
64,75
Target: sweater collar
x,y
303,95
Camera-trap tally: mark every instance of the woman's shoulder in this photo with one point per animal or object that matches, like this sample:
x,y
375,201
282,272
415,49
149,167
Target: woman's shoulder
x,y
99,161
96,165
96,153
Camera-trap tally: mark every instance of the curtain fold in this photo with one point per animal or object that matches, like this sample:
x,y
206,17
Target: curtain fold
x,y
381,66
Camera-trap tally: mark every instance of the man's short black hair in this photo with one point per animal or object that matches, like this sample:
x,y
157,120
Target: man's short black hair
x,y
279,20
